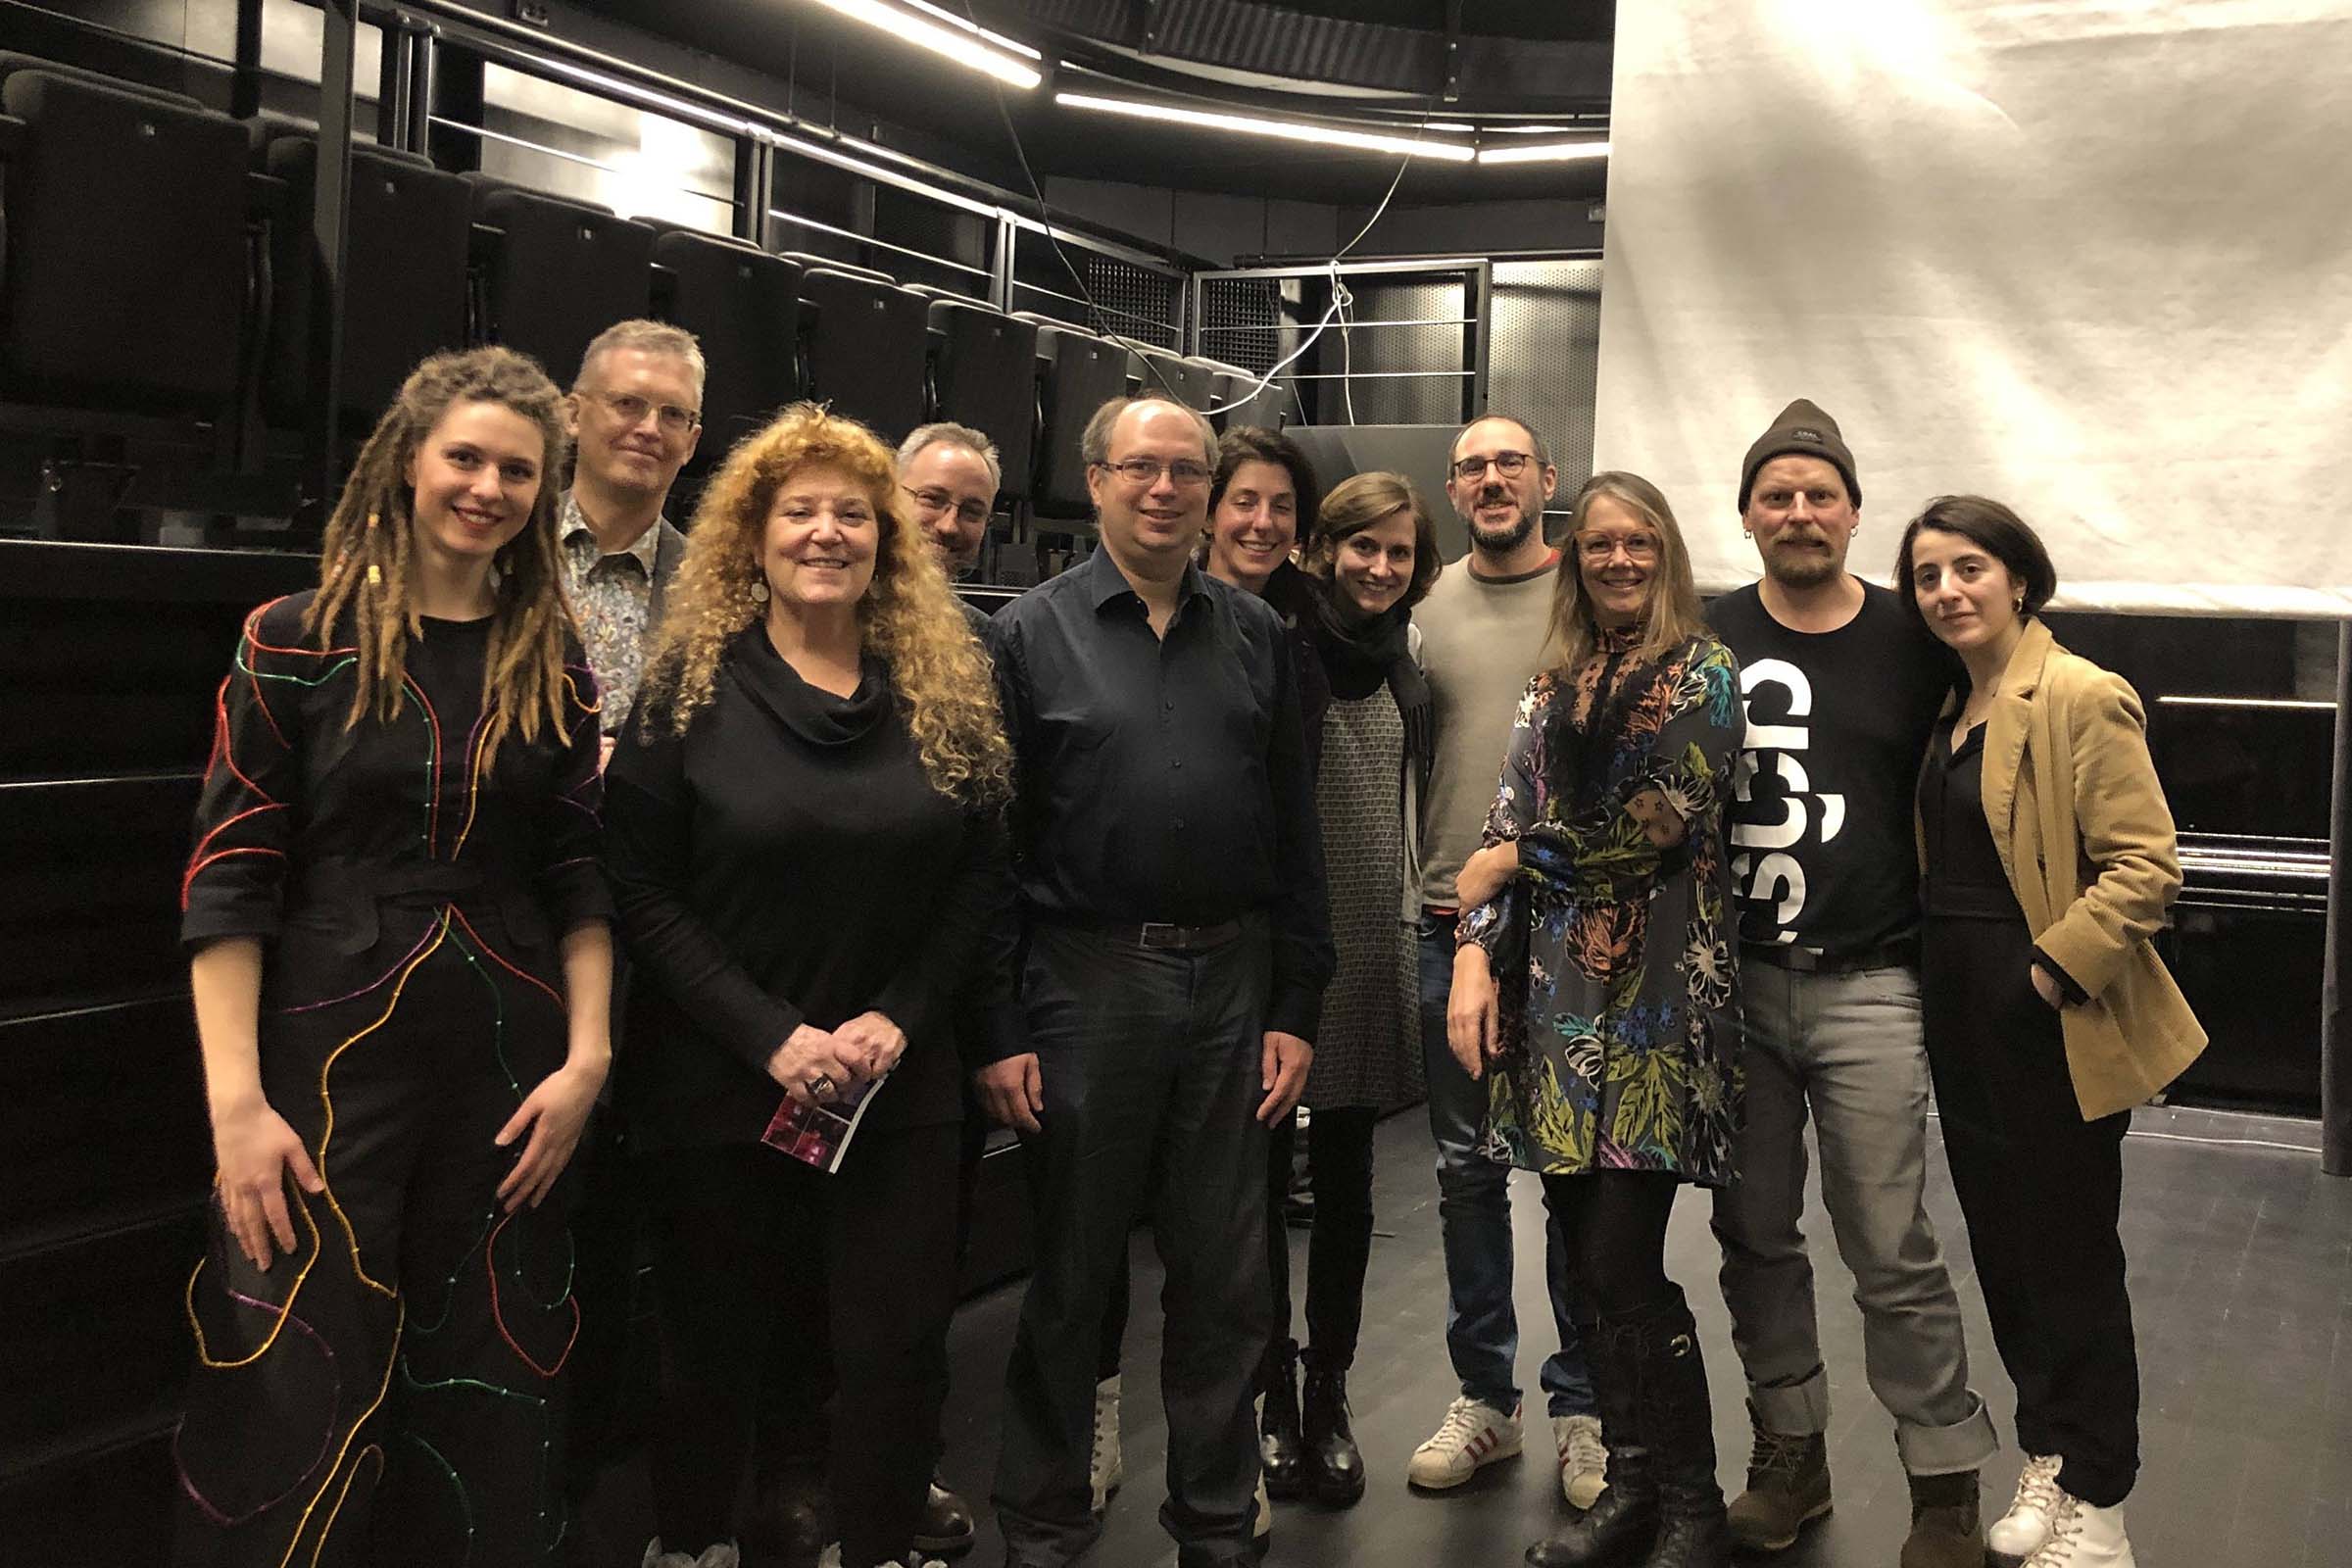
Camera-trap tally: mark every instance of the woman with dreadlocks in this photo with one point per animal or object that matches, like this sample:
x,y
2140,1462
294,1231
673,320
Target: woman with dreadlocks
x,y
402,964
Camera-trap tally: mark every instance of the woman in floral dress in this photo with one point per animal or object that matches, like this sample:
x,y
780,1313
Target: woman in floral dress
x,y
1594,978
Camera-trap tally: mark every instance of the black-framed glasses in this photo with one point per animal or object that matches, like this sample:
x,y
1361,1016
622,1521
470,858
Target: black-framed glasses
x,y
1510,464
934,500
631,409
1147,470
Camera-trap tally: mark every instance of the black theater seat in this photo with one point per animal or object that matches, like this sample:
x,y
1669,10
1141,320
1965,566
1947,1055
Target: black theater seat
x,y
868,350
1160,375
558,272
1245,401
811,261
1082,373
987,378
744,304
411,228
128,270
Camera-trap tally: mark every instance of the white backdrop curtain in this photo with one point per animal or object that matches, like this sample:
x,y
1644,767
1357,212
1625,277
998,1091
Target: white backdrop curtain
x,y
2093,259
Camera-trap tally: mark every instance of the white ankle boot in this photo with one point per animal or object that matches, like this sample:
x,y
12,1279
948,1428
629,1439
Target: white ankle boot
x,y
2083,1536
2021,1531
1107,1467
722,1556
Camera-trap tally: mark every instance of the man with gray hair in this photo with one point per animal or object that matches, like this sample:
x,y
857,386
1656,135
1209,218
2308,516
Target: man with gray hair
x,y
636,415
950,474
1171,887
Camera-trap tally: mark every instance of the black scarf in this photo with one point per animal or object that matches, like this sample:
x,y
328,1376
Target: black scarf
x,y
1358,655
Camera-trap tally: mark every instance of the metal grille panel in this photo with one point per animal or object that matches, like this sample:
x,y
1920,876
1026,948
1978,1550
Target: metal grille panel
x,y
1544,360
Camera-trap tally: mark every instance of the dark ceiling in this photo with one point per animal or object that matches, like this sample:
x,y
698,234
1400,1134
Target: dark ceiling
x,y
1383,54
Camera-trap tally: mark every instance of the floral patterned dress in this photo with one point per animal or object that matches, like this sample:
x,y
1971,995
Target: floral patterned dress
x,y
1612,957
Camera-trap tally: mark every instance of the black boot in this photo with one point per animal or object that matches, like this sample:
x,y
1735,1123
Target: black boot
x,y
790,1519
1620,1527
1335,1466
1679,1424
1281,1448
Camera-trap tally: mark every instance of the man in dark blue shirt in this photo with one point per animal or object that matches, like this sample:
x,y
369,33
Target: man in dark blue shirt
x,y
1171,886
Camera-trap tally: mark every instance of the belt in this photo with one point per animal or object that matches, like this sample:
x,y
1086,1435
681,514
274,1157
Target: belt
x,y
1902,952
1159,936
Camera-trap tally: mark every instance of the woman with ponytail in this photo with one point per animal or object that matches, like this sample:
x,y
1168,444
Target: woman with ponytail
x,y
402,963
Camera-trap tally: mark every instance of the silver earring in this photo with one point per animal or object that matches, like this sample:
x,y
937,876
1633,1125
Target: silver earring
x,y
759,591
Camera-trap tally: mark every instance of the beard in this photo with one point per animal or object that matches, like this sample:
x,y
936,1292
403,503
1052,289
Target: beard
x,y
1804,569
1502,541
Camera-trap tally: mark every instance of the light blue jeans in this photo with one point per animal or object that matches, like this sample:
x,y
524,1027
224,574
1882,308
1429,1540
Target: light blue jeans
x,y
1474,1217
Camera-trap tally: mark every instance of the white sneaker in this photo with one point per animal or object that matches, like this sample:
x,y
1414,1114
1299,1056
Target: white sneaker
x,y
1472,1436
2083,1537
2021,1531
722,1556
1107,1467
1583,1458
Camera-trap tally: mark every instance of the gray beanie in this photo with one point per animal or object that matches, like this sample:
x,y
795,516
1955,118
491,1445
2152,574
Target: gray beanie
x,y
1801,427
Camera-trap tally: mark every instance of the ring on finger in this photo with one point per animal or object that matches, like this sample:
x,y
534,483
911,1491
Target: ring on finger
x,y
821,1086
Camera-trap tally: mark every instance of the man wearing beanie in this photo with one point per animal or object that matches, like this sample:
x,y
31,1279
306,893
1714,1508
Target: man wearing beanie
x,y
1842,689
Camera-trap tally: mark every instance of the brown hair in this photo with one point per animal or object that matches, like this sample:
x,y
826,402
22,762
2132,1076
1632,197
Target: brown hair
x,y
1992,528
909,618
1356,504
367,555
1672,615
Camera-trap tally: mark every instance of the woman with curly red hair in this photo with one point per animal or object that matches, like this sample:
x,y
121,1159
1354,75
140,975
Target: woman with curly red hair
x,y
807,848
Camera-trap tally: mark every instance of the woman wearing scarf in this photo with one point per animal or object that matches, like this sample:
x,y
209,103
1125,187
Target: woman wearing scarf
x,y
1595,975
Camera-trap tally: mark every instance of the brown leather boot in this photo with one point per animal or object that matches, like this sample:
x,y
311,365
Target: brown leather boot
x,y
1787,1488
1946,1529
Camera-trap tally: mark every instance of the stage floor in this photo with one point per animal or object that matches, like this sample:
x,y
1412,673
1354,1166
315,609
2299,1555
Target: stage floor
x,y
2241,1281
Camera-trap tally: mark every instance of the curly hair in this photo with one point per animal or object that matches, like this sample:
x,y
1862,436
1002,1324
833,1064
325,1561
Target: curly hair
x,y
908,617
368,554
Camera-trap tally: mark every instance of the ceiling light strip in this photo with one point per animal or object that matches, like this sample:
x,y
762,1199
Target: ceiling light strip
x,y
962,47
1253,126
1551,152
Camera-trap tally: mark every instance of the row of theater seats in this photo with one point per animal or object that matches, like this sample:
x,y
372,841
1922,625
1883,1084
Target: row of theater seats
x,y
159,261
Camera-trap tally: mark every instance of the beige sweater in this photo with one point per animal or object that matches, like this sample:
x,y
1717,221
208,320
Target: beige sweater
x,y
1482,641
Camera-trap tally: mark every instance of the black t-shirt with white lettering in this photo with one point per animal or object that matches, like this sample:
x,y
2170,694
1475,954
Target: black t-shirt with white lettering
x,y
1822,850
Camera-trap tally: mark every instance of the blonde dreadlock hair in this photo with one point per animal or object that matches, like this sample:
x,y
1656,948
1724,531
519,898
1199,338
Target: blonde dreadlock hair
x,y
369,554
909,618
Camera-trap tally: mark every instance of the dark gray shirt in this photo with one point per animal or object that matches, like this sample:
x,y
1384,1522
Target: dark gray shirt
x,y
1164,778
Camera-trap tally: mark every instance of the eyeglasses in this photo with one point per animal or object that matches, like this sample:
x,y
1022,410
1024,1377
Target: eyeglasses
x,y
1147,470
1597,548
631,409
934,500
1510,464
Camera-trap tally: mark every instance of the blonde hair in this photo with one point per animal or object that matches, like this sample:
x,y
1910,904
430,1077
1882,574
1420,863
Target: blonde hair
x,y
1672,614
909,617
368,554
647,337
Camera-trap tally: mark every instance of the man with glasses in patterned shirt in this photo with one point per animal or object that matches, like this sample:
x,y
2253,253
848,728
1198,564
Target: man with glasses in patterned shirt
x,y
635,416
635,413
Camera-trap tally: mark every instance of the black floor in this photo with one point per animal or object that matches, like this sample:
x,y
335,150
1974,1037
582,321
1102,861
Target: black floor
x,y
2241,1281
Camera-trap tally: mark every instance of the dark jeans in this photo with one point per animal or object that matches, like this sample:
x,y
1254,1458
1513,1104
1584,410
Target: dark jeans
x,y
2041,1190
1150,1065
1339,1162
757,1255
1474,1219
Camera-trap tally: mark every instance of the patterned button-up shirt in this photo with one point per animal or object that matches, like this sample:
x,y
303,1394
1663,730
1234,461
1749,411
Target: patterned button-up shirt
x,y
611,596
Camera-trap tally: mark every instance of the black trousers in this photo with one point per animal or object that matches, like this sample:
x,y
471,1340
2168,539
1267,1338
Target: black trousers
x,y
1150,1061
1338,1250
390,1393
756,1255
2041,1190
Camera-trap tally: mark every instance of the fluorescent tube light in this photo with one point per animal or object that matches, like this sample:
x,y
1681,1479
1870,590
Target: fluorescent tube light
x,y
1250,124
1549,152
959,45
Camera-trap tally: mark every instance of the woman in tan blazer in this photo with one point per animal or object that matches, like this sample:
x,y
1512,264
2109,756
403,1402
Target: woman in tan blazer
x,y
2047,859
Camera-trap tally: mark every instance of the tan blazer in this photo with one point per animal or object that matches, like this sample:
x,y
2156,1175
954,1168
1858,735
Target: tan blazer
x,y
2084,834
